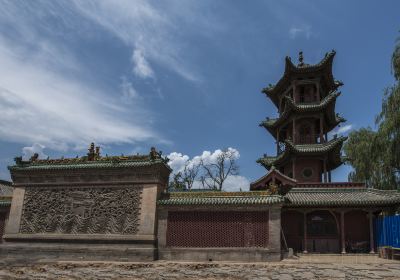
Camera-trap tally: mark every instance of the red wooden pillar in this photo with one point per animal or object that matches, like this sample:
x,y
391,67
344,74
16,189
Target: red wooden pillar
x,y
294,167
321,130
371,232
325,172
342,235
305,233
294,131
277,141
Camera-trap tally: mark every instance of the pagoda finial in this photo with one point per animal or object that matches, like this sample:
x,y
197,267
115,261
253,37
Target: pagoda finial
x,y
91,152
301,58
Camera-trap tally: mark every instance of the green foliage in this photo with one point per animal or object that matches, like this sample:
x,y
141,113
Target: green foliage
x,y
367,153
375,155
396,61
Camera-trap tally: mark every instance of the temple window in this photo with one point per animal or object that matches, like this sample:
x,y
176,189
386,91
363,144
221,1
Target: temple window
x,y
305,134
302,95
307,173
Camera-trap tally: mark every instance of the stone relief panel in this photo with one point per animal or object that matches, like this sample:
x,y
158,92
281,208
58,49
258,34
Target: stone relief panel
x,y
70,210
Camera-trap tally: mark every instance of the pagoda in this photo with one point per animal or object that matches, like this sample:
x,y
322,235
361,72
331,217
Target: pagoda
x,y
305,98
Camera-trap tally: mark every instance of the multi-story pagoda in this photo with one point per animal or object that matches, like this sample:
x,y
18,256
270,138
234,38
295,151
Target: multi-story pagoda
x,y
305,97
318,215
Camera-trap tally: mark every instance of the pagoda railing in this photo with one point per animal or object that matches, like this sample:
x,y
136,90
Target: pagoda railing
x,y
308,139
330,185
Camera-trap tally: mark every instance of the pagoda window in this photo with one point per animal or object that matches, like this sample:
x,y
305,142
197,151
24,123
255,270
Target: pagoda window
x,y
306,136
302,96
314,93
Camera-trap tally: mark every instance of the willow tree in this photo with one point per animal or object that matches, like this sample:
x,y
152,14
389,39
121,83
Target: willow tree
x,y
375,155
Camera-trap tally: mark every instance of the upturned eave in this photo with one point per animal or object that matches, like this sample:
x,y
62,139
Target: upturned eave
x,y
324,66
331,149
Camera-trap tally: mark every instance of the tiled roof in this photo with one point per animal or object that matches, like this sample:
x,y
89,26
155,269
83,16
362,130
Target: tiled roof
x,y
112,163
306,149
293,108
324,65
335,197
220,198
5,188
5,202
93,159
302,108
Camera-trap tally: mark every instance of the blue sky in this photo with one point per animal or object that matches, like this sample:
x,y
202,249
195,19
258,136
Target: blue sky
x,y
184,76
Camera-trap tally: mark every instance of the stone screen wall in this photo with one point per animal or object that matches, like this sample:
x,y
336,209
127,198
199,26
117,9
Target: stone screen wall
x,y
217,229
81,210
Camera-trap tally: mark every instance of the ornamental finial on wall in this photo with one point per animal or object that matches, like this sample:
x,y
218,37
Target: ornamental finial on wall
x,y
91,154
301,58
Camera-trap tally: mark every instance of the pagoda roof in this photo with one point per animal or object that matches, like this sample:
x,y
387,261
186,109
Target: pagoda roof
x,y
90,161
339,197
273,176
6,191
215,198
324,67
332,148
292,108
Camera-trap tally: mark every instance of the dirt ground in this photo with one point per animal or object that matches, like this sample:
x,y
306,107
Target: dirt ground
x,y
305,267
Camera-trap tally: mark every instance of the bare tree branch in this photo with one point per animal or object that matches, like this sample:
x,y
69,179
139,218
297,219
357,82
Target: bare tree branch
x,y
217,172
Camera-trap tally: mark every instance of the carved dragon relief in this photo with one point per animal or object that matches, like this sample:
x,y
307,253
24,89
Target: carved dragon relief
x,y
81,210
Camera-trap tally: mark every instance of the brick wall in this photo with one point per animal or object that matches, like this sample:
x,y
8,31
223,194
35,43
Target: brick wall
x,y
217,229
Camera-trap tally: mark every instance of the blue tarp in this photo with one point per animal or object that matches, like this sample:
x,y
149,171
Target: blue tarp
x,y
387,231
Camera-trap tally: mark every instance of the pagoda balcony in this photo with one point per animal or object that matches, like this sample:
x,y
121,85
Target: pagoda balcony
x,y
309,139
302,140
331,185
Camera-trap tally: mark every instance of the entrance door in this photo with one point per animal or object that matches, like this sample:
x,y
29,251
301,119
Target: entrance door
x,y
322,232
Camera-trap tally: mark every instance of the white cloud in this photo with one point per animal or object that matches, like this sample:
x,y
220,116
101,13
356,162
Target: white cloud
x,y
41,105
30,151
177,161
297,31
232,183
236,183
344,129
140,65
44,96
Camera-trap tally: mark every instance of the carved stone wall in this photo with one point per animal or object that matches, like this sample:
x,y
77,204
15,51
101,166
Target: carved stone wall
x,y
78,210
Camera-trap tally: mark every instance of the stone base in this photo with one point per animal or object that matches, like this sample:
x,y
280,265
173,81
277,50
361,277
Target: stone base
x,y
48,252
218,254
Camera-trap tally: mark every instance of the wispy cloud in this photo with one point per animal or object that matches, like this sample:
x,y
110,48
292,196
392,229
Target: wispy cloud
x,y
300,31
40,106
141,66
151,31
44,99
129,93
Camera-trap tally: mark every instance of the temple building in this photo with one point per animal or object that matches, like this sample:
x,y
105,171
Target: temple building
x,y
118,208
318,215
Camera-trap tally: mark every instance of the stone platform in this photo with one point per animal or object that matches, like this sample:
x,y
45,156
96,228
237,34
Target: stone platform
x,y
299,270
